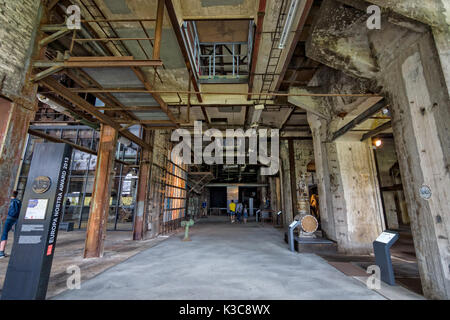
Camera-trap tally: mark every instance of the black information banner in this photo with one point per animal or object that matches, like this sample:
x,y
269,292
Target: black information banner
x,y
37,228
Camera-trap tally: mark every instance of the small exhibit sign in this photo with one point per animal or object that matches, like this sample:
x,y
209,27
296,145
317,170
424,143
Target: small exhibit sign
x,y
36,209
385,237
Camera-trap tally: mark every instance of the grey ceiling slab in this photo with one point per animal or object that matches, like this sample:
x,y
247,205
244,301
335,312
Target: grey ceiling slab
x,y
150,115
114,77
136,99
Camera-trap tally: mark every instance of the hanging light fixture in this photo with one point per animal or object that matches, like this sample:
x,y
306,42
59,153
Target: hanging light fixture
x,y
377,143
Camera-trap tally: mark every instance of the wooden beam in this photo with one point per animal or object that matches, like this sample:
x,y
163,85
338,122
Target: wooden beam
x,y
130,108
257,41
229,93
155,122
374,132
55,36
58,140
142,203
51,4
97,63
298,32
288,117
48,137
55,86
158,29
176,28
99,208
359,119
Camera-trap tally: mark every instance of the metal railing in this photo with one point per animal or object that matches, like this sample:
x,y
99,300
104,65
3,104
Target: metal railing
x,y
213,60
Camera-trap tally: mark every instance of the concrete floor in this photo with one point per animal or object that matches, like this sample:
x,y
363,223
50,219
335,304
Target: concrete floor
x,y
222,261
69,252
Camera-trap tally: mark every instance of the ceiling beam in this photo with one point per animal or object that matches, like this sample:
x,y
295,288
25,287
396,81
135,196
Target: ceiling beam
x,y
257,41
230,93
359,119
98,62
56,87
176,28
298,32
155,122
374,132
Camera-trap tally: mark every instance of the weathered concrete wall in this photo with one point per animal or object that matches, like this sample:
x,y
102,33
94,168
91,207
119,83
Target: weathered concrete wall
x,y
413,71
414,80
19,21
18,24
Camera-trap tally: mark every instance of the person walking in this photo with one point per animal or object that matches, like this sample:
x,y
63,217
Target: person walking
x,y
11,219
232,211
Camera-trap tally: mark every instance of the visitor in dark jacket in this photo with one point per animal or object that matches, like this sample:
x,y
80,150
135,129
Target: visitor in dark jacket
x,y
11,219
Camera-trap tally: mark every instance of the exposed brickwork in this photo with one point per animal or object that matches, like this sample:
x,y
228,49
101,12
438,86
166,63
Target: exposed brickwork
x,y
18,23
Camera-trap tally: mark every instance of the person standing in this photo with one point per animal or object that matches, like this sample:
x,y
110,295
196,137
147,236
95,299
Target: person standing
x,y
11,219
204,209
232,211
239,211
245,214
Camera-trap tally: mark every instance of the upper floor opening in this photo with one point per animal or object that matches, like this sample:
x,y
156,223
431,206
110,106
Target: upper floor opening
x,y
220,50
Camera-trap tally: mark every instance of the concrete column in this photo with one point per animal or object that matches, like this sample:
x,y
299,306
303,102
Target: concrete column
x,y
420,102
318,129
292,178
142,200
286,200
363,211
98,215
349,197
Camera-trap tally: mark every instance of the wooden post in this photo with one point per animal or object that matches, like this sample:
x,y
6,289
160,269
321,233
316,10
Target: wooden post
x,y
142,200
98,215
158,30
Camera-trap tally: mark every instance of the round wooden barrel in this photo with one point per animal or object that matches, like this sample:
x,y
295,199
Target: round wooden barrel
x,y
309,224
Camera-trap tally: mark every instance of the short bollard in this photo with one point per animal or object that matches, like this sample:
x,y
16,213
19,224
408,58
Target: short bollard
x,y
187,224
